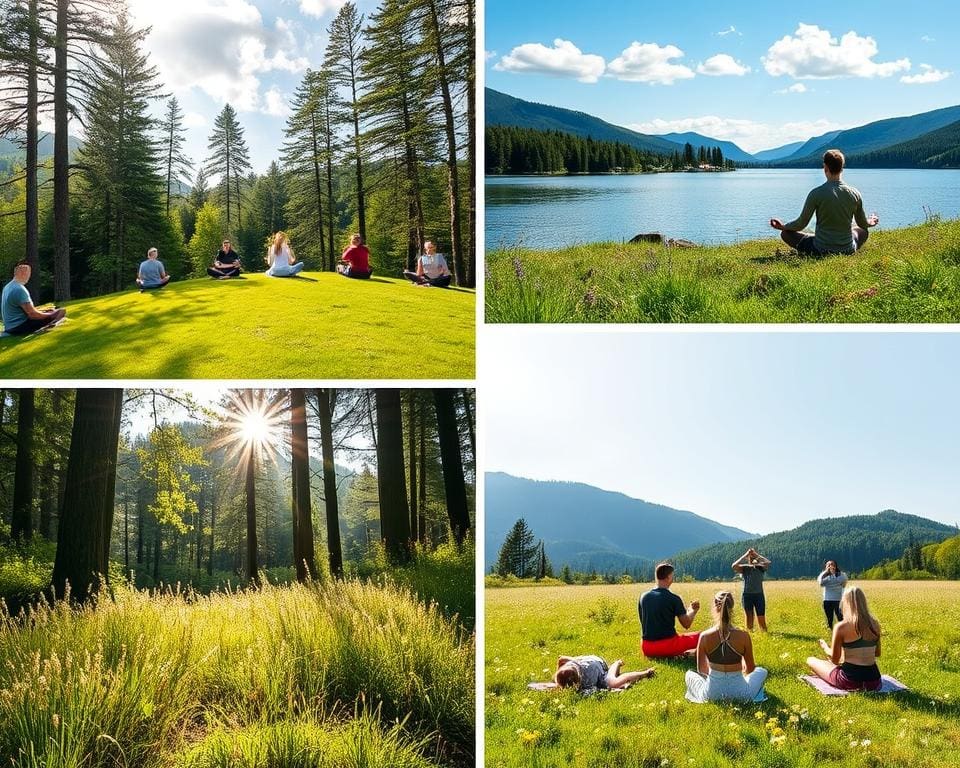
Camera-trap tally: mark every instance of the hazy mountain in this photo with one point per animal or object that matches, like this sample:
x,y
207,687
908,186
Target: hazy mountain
x,y
856,543
502,109
730,150
769,155
9,146
587,527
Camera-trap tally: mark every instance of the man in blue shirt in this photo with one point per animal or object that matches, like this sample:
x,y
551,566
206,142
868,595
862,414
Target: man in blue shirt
x,y
152,273
20,317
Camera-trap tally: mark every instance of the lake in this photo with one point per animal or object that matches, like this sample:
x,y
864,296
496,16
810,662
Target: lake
x,y
709,208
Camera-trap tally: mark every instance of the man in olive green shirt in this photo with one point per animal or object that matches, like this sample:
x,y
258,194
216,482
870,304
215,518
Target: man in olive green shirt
x,y
837,207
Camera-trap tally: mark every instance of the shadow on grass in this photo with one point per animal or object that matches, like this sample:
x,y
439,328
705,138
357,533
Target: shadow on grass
x,y
920,702
796,636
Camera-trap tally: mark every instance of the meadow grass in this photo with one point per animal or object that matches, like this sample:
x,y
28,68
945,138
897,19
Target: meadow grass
x,y
338,674
903,275
321,325
652,724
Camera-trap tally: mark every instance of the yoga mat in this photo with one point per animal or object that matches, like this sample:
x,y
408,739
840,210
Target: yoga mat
x,y
584,692
888,685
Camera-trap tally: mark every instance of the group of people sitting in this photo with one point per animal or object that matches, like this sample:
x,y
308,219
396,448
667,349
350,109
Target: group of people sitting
x,y
725,665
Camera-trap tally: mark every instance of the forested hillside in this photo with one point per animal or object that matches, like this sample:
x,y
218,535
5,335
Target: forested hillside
x,y
937,149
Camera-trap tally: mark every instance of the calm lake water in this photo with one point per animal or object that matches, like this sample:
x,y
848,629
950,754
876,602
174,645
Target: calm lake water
x,y
551,212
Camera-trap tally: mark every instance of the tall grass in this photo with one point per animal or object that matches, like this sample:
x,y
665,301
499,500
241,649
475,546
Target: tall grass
x,y
906,275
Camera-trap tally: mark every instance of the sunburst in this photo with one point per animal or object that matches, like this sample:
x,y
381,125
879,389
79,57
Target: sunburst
x,y
252,426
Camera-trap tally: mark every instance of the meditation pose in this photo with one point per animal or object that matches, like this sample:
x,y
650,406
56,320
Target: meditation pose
x,y
725,666
837,206
658,608
280,259
752,566
432,268
20,317
851,662
832,579
151,273
586,672
355,260
227,263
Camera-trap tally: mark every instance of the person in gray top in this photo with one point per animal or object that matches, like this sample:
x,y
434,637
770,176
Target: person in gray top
x,y
841,223
833,580
152,273
586,673
752,566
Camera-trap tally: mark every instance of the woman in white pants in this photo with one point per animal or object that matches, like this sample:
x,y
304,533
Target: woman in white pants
x,y
725,666
280,258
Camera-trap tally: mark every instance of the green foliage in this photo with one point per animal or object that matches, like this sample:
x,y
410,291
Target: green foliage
x,y
518,554
209,232
166,463
940,560
25,569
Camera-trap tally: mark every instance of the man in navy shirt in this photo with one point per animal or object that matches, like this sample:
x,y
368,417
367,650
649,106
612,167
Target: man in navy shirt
x,y
20,317
227,263
658,608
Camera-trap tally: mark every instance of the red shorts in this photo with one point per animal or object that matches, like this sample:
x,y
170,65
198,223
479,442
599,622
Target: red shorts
x,y
670,646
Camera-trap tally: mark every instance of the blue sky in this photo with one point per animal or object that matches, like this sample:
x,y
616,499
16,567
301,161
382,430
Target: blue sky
x,y
758,430
750,72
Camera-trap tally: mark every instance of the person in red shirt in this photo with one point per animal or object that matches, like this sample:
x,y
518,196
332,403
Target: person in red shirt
x,y
355,261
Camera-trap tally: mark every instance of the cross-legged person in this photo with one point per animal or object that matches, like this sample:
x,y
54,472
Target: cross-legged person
x,y
355,260
19,315
658,608
280,259
852,654
152,273
432,268
227,263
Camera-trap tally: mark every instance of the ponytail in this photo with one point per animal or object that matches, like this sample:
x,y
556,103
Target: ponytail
x,y
723,609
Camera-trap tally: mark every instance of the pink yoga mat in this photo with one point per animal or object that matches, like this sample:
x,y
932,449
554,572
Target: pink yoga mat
x,y
889,685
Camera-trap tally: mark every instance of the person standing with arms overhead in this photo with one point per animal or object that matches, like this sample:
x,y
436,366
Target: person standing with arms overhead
x,y
833,580
658,608
227,263
841,223
752,566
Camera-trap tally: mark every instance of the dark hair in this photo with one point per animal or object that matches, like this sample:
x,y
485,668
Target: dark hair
x,y
663,570
833,159
23,263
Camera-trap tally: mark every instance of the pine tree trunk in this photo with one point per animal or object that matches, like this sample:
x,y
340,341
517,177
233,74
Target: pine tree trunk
x,y
213,521
61,161
317,184
412,450
471,145
141,511
201,503
330,204
470,423
86,516
300,459
49,499
361,206
21,527
394,513
422,505
453,481
250,488
32,206
330,483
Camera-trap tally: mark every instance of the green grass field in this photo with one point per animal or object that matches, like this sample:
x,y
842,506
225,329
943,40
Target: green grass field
x,y
653,725
319,326
340,675
904,275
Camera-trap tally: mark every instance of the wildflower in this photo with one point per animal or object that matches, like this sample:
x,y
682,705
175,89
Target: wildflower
x,y
865,743
794,719
56,721
758,715
518,268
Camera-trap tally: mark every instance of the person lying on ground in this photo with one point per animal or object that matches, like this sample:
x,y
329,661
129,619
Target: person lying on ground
x,y
432,269
355,260
151,273
851,662
841,223
658,608
227,263
832,579
19,315
725,666
280,259
752,566
586,672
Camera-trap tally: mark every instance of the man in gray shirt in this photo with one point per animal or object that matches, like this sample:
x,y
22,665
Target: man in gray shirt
x,y
837,206
152,273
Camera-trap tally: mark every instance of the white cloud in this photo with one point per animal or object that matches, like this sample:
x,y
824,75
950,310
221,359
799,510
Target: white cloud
x,y
928,75
318,8
649,63
217,46
722,64
750,135
795,88
275,103
928,39
487,55
563,60
813,53
731,30
195,120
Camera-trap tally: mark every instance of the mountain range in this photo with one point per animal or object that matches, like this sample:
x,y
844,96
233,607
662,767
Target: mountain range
x,y
922,140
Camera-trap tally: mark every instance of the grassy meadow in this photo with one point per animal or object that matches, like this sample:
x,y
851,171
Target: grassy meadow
x,y
902,275
319,325
653,725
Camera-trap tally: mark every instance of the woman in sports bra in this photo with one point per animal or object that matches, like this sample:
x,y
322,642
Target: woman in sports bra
x,y
725,666
853,653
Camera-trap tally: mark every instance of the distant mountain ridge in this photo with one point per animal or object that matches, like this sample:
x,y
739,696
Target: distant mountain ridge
x,y
10,146
730,150
587,527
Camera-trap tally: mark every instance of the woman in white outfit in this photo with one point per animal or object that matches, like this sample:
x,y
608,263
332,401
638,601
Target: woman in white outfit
x,y
725,666
280,259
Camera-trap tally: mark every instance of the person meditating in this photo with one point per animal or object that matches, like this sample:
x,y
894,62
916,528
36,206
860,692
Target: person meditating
x,y
355,260
725,666
752,566
837,206
587,672
151,273
832,579
19,315
227,263
432,269
280,258
851,662
658,608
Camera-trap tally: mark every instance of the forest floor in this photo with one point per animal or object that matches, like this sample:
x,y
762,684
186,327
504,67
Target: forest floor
x,y
320,325
651,724
335,675
903,275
